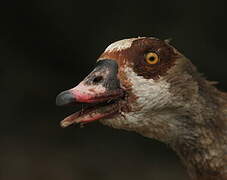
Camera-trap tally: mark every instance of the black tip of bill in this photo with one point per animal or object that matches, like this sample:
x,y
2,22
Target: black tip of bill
x,y
65,98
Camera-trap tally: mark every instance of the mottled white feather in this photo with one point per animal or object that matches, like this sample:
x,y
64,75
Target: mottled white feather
x,y
152,97
151,93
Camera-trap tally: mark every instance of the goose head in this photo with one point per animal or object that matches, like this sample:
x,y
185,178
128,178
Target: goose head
x,y
140,84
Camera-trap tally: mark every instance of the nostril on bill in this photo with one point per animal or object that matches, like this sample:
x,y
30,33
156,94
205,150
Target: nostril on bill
x,y
97,79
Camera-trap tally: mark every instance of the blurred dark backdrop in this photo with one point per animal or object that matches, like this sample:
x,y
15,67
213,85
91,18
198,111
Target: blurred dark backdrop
x,y
47,46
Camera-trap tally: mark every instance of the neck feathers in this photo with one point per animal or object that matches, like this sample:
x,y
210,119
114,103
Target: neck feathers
x,y
203,148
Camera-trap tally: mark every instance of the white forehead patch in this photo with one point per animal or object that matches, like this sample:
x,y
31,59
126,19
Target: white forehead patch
x,y
121,45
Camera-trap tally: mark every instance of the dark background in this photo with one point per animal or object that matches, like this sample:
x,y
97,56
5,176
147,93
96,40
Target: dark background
x,y
47,46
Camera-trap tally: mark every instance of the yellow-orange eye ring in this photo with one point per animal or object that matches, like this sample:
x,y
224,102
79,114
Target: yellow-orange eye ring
x,y
151,58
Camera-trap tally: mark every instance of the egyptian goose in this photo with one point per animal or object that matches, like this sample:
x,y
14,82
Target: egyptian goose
x,y
145,85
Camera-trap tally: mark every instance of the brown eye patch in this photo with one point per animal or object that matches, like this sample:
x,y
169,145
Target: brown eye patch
x,y
159,49
134,57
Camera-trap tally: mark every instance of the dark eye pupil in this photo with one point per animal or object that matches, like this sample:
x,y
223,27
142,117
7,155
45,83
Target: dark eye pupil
x,y
152,58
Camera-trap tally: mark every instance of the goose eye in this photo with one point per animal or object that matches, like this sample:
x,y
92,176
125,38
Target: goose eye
x,y
152,58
